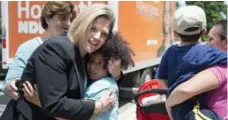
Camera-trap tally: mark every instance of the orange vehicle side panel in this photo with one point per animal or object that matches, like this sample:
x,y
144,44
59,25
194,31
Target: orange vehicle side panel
x,y
140,22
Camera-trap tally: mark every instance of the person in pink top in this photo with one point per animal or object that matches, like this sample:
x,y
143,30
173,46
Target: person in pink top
x,y
212,81
217,98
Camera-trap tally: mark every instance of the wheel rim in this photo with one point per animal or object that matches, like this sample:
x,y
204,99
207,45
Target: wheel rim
x,y
147,78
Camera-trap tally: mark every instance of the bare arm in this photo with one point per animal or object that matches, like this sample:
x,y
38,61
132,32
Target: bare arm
x,y
169,111
192,87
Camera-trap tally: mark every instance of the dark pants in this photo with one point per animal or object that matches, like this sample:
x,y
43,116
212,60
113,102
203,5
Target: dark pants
x,y
203,114
10,111
22,110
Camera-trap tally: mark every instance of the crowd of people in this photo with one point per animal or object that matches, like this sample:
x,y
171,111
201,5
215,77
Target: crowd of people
x,y
72,70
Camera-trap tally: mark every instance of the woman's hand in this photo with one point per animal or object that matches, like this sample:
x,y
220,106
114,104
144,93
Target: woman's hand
x,y
106,101
114,68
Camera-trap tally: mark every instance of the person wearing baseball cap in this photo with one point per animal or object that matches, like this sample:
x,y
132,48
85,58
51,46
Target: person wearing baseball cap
x,y
190,21
181,62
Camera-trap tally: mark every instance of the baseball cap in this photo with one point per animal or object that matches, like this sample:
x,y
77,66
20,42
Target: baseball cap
x,y
189,17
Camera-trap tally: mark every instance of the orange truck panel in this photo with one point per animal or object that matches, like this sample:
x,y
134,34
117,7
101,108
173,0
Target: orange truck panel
x,y
24,21
141,24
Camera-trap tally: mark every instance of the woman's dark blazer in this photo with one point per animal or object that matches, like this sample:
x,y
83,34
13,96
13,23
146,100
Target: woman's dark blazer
x,y
58,70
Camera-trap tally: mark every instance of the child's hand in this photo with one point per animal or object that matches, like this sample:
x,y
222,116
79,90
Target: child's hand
x,y
28,89
31,94
114,68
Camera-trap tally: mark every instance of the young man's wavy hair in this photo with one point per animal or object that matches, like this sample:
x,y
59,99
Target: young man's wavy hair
x,y
52,8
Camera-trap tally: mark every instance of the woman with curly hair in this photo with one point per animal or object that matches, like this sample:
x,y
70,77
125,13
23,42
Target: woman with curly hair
x,y
100,80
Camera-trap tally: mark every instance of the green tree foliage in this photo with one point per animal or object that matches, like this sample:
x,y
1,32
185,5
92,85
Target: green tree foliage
x,y
213,10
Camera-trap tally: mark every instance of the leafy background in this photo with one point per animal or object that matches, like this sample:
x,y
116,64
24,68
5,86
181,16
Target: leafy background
x,y
215,11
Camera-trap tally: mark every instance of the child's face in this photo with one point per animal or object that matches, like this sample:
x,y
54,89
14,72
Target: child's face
x,y
96,66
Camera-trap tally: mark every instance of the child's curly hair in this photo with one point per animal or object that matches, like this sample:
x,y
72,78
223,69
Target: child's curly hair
x,y
117,47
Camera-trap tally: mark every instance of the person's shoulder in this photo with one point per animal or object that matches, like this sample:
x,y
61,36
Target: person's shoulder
x,y
207,50
205,47
205,55
167,52
27,48
104,83
107,82
171,48
194,49
59,41
30,43
61,45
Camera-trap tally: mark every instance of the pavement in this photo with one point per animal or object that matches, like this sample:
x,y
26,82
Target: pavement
x,y
127,111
